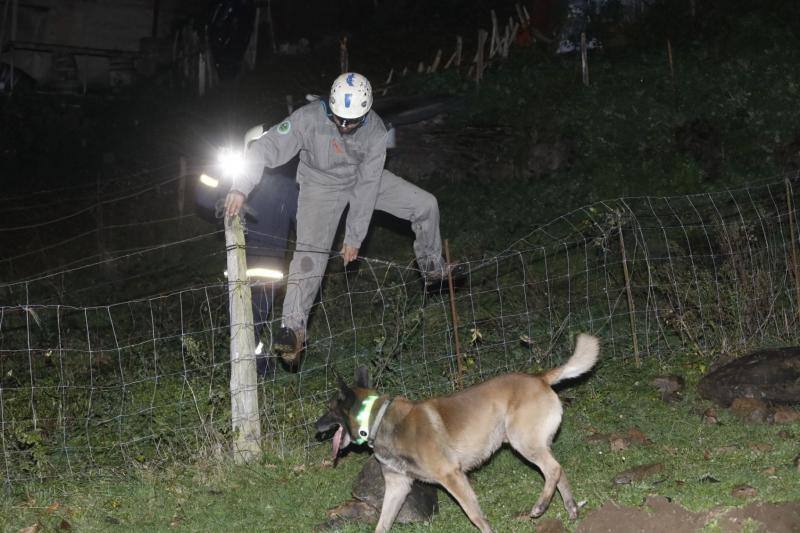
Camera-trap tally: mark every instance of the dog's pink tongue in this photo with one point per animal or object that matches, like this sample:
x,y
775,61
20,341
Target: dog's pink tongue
x,y
337,441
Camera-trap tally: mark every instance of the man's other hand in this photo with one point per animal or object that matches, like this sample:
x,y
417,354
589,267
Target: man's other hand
x,y
349,253
233,203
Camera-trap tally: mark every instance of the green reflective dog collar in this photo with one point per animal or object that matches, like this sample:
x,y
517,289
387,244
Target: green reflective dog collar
x,y
363,418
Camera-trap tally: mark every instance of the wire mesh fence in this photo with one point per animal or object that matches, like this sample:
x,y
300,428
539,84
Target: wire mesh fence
x,y
109,386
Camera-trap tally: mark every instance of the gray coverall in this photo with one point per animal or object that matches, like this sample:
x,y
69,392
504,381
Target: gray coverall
x,y
336,170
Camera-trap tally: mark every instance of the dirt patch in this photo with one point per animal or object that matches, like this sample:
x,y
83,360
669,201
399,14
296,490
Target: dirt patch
x,y
661,515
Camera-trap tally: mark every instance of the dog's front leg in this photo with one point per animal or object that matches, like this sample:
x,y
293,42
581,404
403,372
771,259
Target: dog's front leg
x,y
397,486
458,486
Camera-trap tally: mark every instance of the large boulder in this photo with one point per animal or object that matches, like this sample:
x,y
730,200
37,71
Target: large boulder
x,y
771,375
420,503
365,505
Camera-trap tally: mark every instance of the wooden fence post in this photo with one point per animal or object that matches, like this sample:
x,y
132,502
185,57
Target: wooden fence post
x,y
244,393
479,61
584,61
344,59
454,313
793,237
629,291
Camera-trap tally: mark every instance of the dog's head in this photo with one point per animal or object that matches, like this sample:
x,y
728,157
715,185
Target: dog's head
x,y
343,410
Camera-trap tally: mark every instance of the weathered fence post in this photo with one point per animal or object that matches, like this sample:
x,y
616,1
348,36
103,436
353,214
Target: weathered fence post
x,y
454,313
244,394
793,236
629,292
479,63
584,61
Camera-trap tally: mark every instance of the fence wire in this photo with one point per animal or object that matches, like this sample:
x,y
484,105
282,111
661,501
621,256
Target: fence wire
x,y
111,386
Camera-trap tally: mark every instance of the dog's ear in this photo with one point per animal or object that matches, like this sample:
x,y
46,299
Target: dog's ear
x,y
362,377
344,389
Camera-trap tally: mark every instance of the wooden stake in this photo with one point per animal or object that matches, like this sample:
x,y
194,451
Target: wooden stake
x,y
793,237
387,82
669,58
435,65
344,61
456,57
631,306
271,28
519,14
181,187
482,35
493,44
584,61
459,362
251,54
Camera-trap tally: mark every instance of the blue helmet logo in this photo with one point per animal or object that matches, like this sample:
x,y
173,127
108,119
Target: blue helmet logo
x,y
347,99
350,79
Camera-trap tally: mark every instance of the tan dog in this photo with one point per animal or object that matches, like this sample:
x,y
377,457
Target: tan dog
x,y
440,439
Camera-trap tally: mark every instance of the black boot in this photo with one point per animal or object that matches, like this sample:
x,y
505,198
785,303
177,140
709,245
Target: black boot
x,y
288,343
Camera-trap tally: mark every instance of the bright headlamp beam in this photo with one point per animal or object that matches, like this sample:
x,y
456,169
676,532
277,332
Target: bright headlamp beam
x,y
208,181
267,273
264,273
231,162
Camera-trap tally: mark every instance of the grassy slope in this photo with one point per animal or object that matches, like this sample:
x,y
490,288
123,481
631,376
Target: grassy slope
x,y
293,495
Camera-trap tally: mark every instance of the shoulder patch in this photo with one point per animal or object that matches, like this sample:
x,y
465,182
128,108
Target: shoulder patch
x,y
284,127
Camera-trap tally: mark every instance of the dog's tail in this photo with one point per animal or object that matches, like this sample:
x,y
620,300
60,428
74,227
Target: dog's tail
x,y
585,356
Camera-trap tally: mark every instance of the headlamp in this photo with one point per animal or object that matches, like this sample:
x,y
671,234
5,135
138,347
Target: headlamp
x,y
208,181
231,162
262,273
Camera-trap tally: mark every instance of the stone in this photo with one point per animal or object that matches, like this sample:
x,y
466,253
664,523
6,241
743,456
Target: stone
x,y
785,415
365,505
744,491
750,409
420,505
770,375
638,473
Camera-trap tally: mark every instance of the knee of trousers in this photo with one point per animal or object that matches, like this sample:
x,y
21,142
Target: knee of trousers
x,y
427,207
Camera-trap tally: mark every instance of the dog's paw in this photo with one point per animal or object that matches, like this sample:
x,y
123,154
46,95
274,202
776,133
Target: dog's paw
x,y
538,510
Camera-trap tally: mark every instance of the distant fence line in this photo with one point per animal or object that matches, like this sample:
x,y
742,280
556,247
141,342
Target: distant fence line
x,y
131,382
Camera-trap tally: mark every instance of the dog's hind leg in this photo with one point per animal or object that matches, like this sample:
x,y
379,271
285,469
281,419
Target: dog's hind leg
x,y
566,496
553,474
457,484
397,486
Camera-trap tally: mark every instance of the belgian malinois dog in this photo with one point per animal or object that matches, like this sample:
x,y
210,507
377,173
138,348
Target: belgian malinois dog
x,y
440,439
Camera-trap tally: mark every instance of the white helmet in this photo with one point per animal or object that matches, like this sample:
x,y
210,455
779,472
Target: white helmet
x,y
351,96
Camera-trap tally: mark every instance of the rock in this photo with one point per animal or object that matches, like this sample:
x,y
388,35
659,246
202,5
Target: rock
x,y
420,505
619,444
637,436
710,416
744,491
750,409
668,384
550,525
598,438
771,375
638,473
785,415
353,511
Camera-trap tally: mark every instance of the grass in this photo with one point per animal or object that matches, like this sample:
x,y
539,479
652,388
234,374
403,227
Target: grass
x,y
702,464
